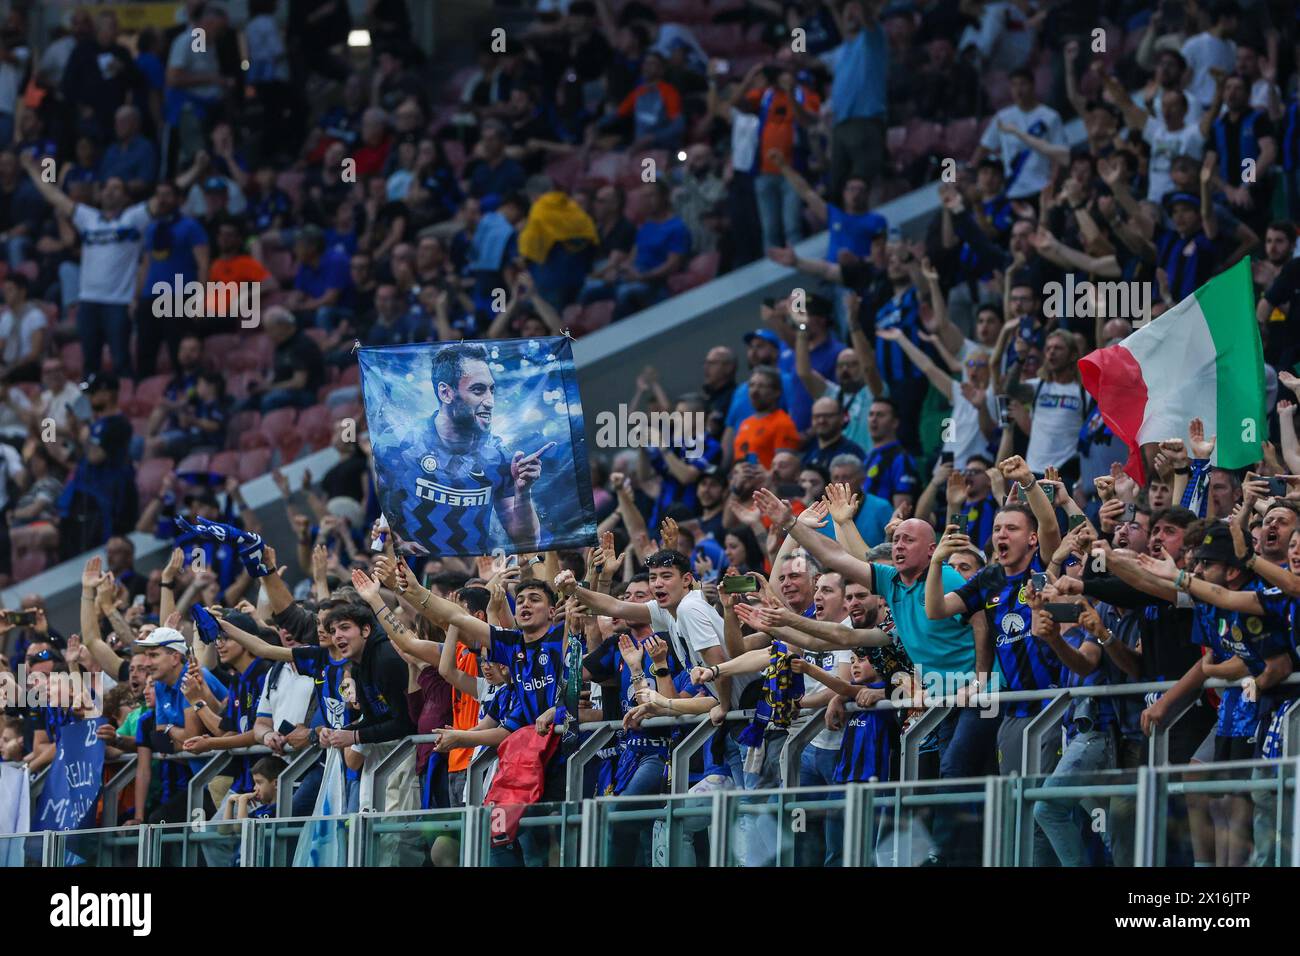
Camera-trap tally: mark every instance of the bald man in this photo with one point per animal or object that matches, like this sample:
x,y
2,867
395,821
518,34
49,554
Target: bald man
x,y
949,655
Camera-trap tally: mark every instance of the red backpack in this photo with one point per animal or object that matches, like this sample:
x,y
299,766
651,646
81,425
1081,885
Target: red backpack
x,y
521,769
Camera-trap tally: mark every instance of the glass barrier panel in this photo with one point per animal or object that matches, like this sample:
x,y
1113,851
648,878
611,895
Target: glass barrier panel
x,y
653,831
20,849
302,841
538,834
793,827
926,823
186,844
1239,814
413,838
116,846
1079,818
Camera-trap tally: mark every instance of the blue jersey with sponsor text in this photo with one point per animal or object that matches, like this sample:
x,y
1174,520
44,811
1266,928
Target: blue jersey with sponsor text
x,y
452,495
1026,662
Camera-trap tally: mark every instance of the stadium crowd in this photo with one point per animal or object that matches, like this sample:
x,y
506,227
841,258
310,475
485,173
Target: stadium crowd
x,y
899,475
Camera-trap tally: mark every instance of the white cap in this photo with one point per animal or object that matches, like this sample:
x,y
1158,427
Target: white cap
x,y
167,637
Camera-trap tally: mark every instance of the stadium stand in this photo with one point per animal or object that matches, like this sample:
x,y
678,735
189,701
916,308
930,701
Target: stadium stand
x,y
926,573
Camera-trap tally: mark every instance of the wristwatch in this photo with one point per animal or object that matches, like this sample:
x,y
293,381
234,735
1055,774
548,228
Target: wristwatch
x,y
313,737
200,704
661,672
1110,636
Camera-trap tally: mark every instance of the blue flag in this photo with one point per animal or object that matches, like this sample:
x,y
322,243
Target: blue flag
x,y
479,447
72,786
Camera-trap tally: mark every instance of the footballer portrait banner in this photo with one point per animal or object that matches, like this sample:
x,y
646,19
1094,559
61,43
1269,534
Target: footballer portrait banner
x,y
479,447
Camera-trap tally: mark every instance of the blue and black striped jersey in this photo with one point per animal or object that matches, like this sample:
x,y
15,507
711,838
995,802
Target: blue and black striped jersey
x,y
869,750
1025,662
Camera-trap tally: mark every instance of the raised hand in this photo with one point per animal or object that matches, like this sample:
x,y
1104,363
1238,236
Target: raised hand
x,y
1202,448
90,574
841,502
1015,469
366,586
770,506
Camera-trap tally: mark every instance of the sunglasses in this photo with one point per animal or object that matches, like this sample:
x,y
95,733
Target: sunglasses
x,y
666,562
39,656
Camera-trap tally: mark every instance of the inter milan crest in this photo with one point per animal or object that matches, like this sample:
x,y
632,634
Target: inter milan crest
x,y
429,464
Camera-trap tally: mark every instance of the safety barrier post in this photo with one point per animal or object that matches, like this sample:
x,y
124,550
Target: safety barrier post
x,y
577,762
795,745
299,763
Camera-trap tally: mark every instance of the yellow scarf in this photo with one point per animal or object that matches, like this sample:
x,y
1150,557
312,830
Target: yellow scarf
x,y
554,218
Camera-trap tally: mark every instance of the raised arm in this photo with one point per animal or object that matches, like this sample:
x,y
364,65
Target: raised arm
x,y
828,553
49,191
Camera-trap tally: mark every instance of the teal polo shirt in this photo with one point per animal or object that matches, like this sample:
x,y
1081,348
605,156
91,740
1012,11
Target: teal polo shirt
x,y
946,646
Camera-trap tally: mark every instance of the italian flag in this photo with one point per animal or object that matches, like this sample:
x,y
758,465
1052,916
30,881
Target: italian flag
x,y
1201,359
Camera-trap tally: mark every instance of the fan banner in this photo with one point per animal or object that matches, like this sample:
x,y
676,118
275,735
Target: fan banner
x,y
479,447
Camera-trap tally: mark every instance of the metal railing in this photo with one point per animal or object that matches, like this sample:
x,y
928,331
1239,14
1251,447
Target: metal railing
x,y
879,824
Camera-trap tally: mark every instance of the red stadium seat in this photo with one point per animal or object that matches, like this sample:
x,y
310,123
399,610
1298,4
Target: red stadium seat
x,y
199,461
225,463
148,393
72,361
351,375
240,424
254,463
218,348
251,440
315,424
567,171
29,565
997,86
961,137
254,354
150,474
278,422
597,315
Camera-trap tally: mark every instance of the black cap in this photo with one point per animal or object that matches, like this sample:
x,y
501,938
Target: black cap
x,y
1217,546
100,382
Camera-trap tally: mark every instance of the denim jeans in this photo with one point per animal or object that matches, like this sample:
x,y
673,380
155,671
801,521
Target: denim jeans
x,y
99,323
628,297
779,210
304,798
631,841
286,398
16,251
1085,754
967,743
817,768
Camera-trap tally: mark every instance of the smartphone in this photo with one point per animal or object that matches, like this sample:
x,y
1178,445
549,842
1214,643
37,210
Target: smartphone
x,y
535,560
739,584
1277,486
139,601
1128,514
21,618
1076,520
1063,613
380,538
286,728
946,457
958,520
1021,494
722,66
1049,489
1004,410
1039,581
751,459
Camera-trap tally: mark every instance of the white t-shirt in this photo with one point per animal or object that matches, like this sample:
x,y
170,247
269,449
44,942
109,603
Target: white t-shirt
x,y
110,252
744,141
1202,52
1027,170
1057,418
10,464
695,628
967,439
1156,106
1165,145
1259,94
17,332
289,700
827,661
